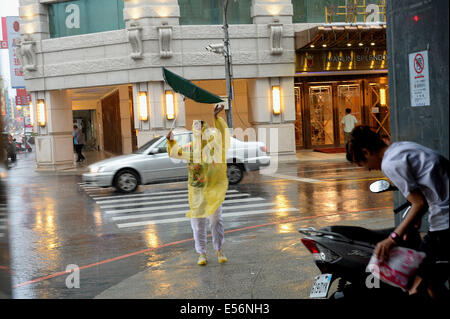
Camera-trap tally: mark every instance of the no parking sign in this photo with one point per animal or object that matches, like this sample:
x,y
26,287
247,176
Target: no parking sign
x,y
419,83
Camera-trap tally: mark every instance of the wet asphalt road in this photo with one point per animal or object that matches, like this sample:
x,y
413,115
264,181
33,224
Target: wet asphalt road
x,y
55,222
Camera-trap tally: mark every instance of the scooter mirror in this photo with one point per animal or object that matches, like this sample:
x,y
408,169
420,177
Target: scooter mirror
x,y
379,186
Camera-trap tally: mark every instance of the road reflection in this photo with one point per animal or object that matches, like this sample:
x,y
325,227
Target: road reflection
x,y
151,237
56,225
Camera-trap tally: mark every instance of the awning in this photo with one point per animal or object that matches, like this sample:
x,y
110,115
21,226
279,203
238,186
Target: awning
x,y
188,89
344,36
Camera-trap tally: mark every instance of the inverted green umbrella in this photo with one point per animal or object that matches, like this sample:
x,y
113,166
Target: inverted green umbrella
x,y
188,89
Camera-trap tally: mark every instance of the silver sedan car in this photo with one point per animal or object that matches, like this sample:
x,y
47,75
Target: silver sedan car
x,y
151,163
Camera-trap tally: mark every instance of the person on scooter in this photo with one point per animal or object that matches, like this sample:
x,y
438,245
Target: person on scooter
x,y
422,176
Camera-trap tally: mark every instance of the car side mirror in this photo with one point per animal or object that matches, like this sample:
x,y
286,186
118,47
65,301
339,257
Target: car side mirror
x,y
153,151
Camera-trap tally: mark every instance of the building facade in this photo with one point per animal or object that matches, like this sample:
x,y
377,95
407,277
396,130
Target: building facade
x,y
296,66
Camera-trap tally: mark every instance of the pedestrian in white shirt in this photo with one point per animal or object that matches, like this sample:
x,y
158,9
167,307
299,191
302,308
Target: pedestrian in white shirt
x,y
348,122
422,176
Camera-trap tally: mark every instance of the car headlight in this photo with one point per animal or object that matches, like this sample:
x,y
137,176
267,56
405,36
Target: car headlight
x,y
96,169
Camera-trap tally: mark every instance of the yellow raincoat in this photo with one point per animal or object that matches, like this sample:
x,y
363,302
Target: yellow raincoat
x,y
207,167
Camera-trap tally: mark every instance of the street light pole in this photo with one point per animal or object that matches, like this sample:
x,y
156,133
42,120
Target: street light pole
x,y
228,75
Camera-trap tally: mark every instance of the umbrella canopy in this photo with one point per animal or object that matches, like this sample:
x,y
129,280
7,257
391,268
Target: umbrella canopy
x,y
188,89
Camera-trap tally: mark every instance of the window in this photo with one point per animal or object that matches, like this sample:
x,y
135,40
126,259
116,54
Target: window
x,y
85,16
196,12
162,147
147,145
313,11
182,139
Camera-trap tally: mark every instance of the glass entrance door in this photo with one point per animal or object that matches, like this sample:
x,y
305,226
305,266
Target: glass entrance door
x,y
379,109
321,115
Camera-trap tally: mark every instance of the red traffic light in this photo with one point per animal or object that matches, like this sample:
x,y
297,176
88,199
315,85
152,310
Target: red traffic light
x,y
416,18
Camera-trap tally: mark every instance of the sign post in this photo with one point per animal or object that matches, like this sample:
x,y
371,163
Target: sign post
x,y
419,80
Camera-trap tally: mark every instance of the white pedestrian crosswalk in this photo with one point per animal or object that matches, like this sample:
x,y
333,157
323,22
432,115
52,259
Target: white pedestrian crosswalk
x,y
168,207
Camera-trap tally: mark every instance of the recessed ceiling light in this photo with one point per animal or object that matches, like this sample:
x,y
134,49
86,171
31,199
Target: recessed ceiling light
x,y
324,45
372,44
312,45
349,44
360,44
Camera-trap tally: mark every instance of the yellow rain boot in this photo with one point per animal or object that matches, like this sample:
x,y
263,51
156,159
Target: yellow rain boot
x,y
202,260
221,257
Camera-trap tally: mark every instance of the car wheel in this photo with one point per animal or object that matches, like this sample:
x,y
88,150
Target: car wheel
x,y
235,173
126,181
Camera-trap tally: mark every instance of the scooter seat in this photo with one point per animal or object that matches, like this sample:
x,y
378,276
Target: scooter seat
x,y
360,234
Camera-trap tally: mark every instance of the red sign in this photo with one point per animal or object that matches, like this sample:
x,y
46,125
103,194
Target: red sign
x,y
23,100
21,92
4,42
418,63
22,97
16,26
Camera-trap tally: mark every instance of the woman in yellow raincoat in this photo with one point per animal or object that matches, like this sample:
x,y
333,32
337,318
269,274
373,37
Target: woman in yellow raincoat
x,y
207,180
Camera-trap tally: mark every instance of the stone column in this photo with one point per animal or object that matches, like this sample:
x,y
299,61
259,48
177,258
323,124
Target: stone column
x,y
276,130
34,28
54,144
34,19
157,123
159,16
151,12
125,120
264,11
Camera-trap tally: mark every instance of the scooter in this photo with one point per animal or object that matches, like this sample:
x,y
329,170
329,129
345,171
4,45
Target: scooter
x,y
22,147
343,252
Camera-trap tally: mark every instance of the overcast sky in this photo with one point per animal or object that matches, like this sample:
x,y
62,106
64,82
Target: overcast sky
x,y
7,8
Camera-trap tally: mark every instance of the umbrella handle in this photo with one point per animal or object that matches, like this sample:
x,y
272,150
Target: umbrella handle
x,y
173,123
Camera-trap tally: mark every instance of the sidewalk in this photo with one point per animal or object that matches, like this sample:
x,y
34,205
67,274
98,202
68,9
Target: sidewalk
x,y
80,168
310,155
266,261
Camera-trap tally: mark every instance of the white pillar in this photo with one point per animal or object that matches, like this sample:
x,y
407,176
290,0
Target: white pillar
x,y
157,123
151,12
34,19
125,120
264,11
54,144
263,119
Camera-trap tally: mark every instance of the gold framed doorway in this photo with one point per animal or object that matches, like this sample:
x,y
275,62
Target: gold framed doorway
x,y
321,103
321,115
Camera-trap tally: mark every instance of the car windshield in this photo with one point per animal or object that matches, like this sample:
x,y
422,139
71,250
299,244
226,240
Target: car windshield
x,y
147,145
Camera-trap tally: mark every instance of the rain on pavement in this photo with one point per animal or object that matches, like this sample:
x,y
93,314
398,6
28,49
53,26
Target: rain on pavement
x,y
56,221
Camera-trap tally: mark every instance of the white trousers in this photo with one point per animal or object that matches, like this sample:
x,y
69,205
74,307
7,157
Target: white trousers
x,y
200,232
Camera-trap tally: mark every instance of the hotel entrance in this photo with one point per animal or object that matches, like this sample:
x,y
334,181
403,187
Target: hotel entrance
x,y
321,104
340,67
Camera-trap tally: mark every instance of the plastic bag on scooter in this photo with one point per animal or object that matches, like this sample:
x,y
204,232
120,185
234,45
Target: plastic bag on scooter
x,y
399,269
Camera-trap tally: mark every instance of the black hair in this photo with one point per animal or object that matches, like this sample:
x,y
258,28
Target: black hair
x,y
361,137
348,110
